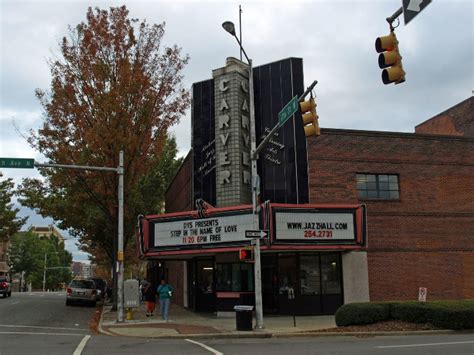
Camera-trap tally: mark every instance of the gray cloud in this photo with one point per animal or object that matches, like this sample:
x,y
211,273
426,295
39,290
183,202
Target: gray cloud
x,y
335,39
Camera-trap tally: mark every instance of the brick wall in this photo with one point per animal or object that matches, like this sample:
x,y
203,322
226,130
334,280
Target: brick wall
x,y
179,193
425,239
457,120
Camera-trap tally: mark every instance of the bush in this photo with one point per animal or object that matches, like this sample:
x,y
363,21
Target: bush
x,y
442,314
452,314
411,311
362,313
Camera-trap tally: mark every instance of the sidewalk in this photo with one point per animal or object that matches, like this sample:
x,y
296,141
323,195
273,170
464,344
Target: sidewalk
x,y
187,324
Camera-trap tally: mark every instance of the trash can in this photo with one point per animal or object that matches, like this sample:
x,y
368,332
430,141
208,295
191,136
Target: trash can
x,y
243,317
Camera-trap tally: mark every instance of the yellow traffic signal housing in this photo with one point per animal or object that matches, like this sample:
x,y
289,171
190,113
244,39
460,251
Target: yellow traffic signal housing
x,y
390,59
310,118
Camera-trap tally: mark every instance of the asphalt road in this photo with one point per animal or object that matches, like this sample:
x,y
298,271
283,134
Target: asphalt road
x,y
40,323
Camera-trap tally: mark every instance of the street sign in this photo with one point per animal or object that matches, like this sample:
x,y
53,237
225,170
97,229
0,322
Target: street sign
x,y
422,291
18,163
288,111
411,8
255,234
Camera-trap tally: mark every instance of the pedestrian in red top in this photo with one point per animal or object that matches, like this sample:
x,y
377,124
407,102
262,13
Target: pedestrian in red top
x,y
150,299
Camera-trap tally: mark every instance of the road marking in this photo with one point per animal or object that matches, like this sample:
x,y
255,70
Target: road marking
x,y
428,344
38,327
81,345
55,334
214,351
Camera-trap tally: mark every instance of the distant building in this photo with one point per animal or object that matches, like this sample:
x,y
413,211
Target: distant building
x,y
48,232
3,257
82,270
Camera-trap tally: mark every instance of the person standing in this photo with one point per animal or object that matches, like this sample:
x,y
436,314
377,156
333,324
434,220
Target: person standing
x,y
149,295
165,291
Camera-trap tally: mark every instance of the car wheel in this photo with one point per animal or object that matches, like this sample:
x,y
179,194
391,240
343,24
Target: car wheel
x,y
93,303
68,303
10,294
5,295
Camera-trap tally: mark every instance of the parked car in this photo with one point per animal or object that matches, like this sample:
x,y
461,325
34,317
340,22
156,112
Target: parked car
x,y
5,287
81,291
101,287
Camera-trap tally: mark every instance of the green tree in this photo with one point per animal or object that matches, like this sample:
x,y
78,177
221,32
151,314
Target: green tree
x,y
115,87
10,223
27,254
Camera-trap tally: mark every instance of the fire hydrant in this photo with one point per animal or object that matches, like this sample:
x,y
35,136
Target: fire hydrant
x,y
129,314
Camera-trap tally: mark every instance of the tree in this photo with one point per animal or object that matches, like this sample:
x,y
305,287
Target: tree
x,y
10,223
27,255
114,88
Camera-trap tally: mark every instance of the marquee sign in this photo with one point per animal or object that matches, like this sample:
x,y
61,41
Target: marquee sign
x,y
290,225
185,232
318,225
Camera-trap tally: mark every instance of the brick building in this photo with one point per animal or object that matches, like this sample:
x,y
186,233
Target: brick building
x,y
424,237
416,189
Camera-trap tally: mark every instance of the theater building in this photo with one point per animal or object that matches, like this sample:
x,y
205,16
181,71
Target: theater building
x,y
366,216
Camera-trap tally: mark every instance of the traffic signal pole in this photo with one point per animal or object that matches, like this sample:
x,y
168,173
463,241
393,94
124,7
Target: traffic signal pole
x,y
394,16
265,140
254,150
120,256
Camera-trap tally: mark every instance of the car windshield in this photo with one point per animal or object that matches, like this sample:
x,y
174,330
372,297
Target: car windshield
x,y
99,282
82,284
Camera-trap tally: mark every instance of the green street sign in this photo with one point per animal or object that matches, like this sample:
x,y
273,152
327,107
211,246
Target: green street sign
x,y
17,163
288,111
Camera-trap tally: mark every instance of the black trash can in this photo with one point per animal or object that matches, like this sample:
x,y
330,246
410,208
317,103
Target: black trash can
x,y
244,317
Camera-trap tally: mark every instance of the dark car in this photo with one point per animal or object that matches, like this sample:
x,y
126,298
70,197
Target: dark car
x,y
5,287
101,287
83,291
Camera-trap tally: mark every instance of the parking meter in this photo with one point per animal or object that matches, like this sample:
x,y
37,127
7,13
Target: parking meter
x,y
131,294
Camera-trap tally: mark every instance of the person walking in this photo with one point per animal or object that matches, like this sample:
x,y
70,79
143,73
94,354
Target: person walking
x,y
165,291
149,295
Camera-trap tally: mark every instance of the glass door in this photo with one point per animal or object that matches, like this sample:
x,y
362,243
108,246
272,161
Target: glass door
x,y
204,286
287,282
331,282
310,285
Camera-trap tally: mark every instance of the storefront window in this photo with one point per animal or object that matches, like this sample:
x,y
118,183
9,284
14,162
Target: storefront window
x,y
331,273
235,277
310,278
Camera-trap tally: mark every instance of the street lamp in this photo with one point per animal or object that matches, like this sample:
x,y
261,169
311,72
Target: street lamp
x,y
230,28
44,270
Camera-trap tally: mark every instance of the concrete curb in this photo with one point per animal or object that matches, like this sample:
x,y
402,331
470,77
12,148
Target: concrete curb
x,y
99,328
263,334
366,334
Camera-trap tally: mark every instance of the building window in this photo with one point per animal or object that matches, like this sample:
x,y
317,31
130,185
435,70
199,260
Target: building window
x,y
234,277
378,186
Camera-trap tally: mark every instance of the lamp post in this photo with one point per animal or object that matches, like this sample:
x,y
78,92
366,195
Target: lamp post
x,y
44,270
230,28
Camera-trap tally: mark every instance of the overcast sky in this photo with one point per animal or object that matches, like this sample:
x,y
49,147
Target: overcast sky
x,y
334,38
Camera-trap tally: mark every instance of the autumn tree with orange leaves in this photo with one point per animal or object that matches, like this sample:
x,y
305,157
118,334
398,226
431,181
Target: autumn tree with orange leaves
x,y
114,87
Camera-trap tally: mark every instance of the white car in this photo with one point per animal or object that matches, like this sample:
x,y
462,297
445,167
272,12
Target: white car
x,y
83,291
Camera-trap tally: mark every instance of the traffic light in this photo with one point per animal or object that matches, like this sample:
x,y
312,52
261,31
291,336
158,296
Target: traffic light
x,y
310,118
246,255
390,59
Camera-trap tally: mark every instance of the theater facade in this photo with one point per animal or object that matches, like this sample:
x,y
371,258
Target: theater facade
x,y
366,216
